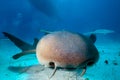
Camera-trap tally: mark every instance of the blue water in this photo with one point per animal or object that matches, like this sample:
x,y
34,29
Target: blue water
x,y
25,18
21,16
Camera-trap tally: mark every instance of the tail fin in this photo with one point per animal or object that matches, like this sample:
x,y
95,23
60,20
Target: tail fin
x,y
18,42
25,47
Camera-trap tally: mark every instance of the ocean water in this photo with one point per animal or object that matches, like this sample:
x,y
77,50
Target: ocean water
x,y
25,19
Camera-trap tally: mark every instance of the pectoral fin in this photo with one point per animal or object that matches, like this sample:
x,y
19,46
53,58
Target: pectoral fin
x,y
16,56
93,37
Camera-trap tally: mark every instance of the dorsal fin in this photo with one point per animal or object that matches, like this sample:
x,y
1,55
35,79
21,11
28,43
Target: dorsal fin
x,y
93,37
18,42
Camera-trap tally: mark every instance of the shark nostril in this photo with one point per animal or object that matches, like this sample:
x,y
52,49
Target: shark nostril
x,y
51,64
90,63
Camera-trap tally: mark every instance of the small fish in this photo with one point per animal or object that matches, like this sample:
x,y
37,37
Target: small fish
x,y
101,31
106,61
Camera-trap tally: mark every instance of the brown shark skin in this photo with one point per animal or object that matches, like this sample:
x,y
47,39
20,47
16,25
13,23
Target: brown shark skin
x,y
66,50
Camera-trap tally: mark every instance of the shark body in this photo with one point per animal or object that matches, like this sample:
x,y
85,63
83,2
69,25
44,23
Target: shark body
x,y
32,49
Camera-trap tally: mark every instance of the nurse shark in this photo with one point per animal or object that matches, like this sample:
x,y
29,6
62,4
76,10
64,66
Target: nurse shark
x,y
55,49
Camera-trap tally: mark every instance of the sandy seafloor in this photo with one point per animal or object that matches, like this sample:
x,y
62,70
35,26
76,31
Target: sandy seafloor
x,y
28,68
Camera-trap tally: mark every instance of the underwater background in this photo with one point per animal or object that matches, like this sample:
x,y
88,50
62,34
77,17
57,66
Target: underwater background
x,y
26,18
